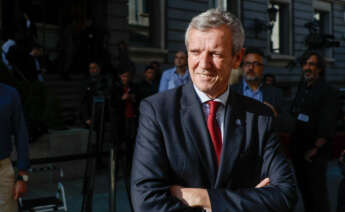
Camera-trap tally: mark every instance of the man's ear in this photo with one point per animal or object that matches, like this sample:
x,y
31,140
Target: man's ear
x,y
238,58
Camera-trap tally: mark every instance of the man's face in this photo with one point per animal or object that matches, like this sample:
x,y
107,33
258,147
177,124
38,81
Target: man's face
x,y
149,74
36,52
210,59
310,69
125,78
94,70
253,67
155,66
269,81
180,60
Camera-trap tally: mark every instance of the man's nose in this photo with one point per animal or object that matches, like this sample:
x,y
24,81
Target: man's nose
x,y
306,66
205,60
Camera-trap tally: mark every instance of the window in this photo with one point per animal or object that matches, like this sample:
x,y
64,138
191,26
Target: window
x,y
146,19
322,11
280,35
218,4
139,21
232,6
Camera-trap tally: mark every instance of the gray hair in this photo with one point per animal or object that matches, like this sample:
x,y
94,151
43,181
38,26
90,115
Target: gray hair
x,y
214,18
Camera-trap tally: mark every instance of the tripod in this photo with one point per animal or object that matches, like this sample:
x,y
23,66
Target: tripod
x,y
116,166
93,147
98,111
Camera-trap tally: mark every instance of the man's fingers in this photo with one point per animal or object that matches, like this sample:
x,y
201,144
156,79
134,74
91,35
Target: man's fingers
x,y
19,189
272,108
15,194
263,183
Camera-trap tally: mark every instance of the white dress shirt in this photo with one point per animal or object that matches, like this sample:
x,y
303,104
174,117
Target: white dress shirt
x,y
220,115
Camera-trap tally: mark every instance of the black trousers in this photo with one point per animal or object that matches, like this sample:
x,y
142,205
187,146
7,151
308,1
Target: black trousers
x,y
311,179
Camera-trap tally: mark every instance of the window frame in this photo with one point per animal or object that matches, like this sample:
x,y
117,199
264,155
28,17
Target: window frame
x,y
282,37
226,5
155,49
325,8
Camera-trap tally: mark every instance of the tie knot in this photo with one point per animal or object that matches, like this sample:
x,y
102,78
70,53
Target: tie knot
x,y
213,106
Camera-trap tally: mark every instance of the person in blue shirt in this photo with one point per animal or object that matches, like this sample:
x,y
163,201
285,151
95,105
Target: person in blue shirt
x,y
253,86
176,76
12,123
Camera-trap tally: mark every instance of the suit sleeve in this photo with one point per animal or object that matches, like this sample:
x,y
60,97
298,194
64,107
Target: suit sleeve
x,y
150,177
280,195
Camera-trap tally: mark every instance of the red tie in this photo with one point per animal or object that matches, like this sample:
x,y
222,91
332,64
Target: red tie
x,y
213,128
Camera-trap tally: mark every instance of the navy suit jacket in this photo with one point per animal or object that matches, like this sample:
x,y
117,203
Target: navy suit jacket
x,y
173,147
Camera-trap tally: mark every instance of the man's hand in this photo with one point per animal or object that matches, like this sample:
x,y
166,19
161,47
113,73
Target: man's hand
x,y
125,96
88,122
198,197
263,183
193,197
310,153
20,188
272,108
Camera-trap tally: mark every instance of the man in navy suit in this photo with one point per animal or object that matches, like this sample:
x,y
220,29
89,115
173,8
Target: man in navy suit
x,y
203,147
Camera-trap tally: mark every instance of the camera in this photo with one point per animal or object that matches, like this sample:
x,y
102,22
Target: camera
x,y
317,40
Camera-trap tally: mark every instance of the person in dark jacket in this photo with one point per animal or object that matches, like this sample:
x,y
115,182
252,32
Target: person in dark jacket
x,y
149,85
314,109
124,107
32,68
96,85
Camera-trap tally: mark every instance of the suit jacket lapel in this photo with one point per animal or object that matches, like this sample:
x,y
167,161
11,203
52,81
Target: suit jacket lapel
x,y
234,125
194,125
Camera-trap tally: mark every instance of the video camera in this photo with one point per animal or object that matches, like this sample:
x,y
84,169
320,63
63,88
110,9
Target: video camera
x,y
317,40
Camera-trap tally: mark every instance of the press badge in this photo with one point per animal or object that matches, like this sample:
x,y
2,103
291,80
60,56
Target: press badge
x,y
303,117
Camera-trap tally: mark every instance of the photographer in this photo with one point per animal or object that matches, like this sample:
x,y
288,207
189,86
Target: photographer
x,y
96,85
12,124
124,106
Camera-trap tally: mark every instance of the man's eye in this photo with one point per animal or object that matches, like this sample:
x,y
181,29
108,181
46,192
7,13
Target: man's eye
x,y
194,52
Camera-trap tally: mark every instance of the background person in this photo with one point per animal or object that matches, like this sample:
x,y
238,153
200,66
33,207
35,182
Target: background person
x,y
12,123
176,76
314,109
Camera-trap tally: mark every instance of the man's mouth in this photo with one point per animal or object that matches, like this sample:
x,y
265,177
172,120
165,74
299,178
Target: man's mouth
x,y
307,71
205,73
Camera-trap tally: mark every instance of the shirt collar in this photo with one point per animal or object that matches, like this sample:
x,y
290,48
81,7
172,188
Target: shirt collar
x,y
246,86
204,98
185,74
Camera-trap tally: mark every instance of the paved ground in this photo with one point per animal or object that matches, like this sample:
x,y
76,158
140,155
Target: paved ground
x,y
73,189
